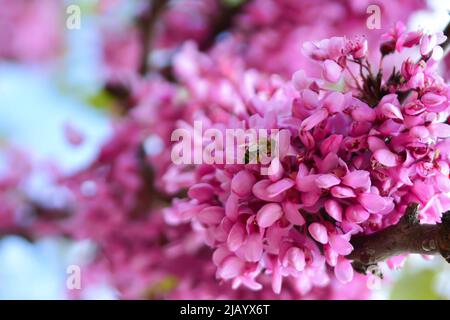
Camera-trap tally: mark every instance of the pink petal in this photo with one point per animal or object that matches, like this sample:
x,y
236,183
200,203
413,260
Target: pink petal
x,y
211,215
310,99
440,37
318,232
296,258
356,213
231,207
236,236
274,235
344,271
440,130
386,157
364,113
253,248
326,181
340,244
412,39
420,132
342,192
292,213
314,119
277,280
231,267
331,256
201,192
300,80
279,187
309,199
357,179
275,169
335,46
329,163
305,183
242,183
414,108
391,111
333,209
372,202
432,99
390,127
260,191
427,43
314,50
334,102
351,227
375,143
331,71
389,206
268,214
331,144
219,255
361,50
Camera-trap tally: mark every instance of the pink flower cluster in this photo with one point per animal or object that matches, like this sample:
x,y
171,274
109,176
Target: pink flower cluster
x,y
116,203
354,161
365,140
269,33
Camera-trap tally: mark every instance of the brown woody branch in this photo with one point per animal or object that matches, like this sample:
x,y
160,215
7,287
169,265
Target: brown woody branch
x,y
446,44
22,232
38,214
147,22
407,236
223,22
147,25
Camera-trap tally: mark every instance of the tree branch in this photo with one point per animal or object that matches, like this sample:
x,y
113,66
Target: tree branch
x,y
17,231
407,236
147,25
222,22
446,44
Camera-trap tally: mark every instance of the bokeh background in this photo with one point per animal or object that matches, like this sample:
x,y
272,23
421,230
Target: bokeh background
x,y
40,100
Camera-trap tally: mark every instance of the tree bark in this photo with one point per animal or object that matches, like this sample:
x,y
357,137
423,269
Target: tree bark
x,y
407,236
